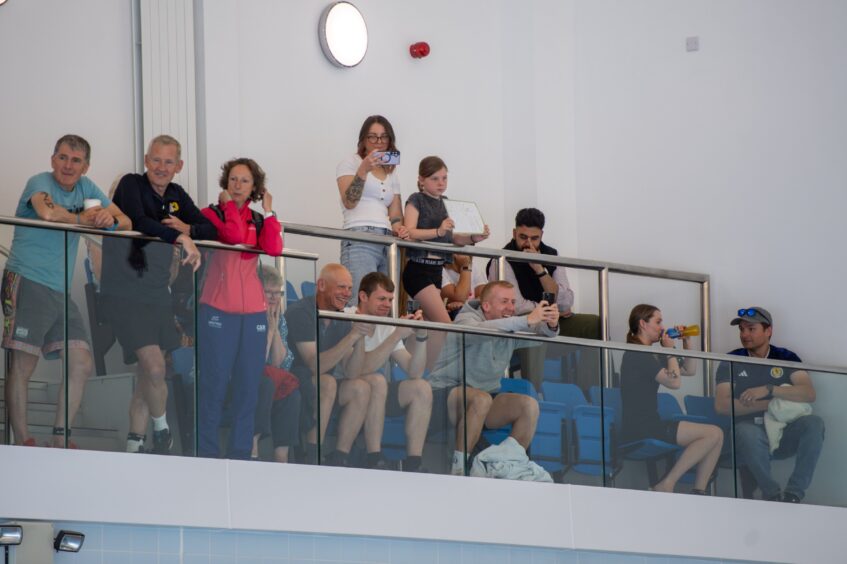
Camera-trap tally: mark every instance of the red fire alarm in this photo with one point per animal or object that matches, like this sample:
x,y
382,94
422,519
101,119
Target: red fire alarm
x,y
419,50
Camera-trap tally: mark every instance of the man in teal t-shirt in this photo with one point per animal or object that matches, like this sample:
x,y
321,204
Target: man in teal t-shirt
x,y
33,289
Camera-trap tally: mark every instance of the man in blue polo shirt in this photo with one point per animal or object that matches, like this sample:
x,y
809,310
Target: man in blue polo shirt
x,y
755,387
34,281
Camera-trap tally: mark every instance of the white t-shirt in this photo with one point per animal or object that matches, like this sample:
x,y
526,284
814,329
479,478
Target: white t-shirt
x,y
478,278
381,333
372,209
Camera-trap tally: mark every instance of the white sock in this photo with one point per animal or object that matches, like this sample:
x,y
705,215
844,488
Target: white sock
x,y
160,423
133,445
458,463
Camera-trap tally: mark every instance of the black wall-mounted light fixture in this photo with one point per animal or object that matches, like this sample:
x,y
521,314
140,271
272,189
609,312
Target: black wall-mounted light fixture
x,y
68,541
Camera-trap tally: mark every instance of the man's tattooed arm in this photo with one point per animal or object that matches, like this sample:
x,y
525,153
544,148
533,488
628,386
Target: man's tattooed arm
x,y
354,191
48,201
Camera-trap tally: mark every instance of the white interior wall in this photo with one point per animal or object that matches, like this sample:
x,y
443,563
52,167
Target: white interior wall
x,y
270,93
727,161
66,68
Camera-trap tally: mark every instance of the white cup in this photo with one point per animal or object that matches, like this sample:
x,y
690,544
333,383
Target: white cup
x,y
89,203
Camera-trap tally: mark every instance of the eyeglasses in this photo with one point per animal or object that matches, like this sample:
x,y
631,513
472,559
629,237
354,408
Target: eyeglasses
x,y
272,294
374,138
749,312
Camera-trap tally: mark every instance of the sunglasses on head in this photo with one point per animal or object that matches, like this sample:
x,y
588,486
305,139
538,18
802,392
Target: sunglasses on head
x,y
749,312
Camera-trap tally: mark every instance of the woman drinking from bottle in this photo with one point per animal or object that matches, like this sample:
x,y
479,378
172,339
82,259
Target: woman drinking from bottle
x,y
641,375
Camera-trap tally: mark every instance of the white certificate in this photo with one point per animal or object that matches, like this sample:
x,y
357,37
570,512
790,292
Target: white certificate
x,y
466,216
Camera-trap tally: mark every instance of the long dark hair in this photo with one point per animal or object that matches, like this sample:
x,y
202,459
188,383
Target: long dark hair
x,y
641,312
363,133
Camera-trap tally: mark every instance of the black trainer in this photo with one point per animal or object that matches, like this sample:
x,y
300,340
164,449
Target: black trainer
x,y
789,497
162,442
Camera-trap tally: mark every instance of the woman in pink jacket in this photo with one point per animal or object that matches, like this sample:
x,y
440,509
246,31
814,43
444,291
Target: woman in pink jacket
x,y
233,321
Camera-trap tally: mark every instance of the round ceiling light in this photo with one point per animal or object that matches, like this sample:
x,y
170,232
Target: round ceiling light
x,y
343,34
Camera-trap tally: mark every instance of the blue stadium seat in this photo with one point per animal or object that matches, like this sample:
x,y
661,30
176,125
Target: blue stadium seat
x,y
307,288
290,293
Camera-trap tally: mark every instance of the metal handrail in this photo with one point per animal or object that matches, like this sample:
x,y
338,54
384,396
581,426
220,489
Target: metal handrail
x,y
591,343
518,256
9,220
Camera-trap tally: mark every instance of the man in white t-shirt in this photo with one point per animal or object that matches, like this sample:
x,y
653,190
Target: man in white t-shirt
x,y
412,396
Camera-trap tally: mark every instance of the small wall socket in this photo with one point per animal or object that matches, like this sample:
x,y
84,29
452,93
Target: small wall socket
x,y
692,44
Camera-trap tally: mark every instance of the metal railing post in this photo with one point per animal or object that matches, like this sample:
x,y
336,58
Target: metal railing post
x,y
706,336
393,271
501,268
603,289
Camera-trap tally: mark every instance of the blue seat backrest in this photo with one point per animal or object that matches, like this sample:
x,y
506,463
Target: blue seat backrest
x,y
594,442
517,386
290,293
668,406
307,288
705,407
397,373
611,399
566,394
553,369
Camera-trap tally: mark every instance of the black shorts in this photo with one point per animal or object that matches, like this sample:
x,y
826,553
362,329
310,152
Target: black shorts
x,y
417,276
34,318
659,430
138,325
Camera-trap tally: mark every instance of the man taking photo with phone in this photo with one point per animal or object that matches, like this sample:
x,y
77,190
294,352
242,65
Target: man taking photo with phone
x,y
532,279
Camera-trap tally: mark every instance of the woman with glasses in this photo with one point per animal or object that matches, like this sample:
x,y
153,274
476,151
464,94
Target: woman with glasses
x,y
370,200
233,318
278,410
641,375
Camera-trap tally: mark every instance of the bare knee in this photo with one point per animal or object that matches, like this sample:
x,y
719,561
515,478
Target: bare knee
x,y
357,392
329,387
80,365
479,402
715,435
420,391
378,385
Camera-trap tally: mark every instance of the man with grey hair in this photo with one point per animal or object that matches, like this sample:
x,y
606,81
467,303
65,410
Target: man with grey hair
x,y
136,279
34,282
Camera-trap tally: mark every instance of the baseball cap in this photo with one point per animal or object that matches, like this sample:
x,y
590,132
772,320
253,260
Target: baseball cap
x,y
753,314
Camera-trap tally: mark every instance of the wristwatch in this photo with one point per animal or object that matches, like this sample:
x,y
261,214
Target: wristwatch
x,y
770,391
543,273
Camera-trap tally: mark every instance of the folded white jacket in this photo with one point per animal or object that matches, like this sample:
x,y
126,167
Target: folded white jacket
x,y
509,461
780,413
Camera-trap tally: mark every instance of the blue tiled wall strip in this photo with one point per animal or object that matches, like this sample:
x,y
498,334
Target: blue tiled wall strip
x,y
113,544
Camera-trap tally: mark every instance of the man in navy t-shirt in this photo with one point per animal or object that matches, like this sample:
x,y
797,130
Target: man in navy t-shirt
x,y
755,386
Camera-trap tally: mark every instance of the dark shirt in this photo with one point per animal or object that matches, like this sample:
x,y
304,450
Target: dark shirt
x,y
140,270
748,376
638,394
301,317
431,213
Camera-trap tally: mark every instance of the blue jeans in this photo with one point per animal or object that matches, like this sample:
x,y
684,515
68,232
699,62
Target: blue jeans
x,y
803,437
362,258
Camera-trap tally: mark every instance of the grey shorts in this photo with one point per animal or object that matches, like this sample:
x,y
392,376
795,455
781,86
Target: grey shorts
x,y
34,318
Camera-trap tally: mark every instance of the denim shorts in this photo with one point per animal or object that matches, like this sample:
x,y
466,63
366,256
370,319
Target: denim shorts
x,y
361,258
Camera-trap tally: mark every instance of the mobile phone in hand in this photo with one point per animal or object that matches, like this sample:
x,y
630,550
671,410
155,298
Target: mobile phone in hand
x,y
548,297
412,306
390,157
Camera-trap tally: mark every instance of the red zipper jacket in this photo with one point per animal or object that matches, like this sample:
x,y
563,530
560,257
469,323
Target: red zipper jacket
x,y
232,282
